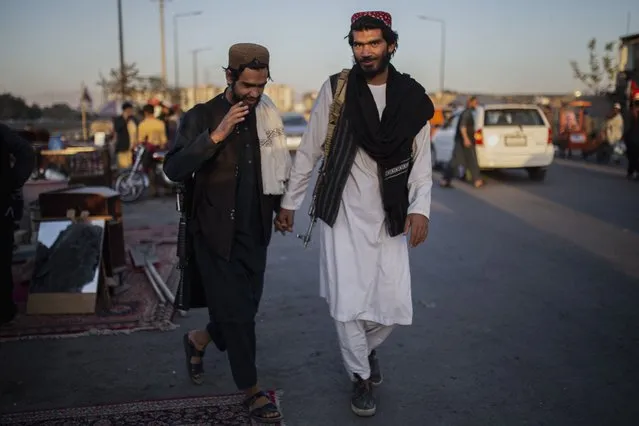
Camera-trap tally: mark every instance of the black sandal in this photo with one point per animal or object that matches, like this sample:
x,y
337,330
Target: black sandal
x,y
196,371
260,414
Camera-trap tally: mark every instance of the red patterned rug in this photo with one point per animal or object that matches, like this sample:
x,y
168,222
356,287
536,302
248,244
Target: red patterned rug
x,y
135,309
224,410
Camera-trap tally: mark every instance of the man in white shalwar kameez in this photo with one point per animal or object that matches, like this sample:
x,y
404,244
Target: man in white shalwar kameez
x,y
364,267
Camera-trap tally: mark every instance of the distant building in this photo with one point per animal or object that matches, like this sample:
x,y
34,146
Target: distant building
x,y
308,99
281,94
140,97
627,79
190,96
299,108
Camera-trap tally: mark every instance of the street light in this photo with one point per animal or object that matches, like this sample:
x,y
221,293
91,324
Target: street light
x,y
442,70
121,44
195,52
162,42
175,43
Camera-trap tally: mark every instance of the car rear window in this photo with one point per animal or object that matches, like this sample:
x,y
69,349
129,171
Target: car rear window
x,y
513,117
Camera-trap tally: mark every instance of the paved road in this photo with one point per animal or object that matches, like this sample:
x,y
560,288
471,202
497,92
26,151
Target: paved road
x,y
526,311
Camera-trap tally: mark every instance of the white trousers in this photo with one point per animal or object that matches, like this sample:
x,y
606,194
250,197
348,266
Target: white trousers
x,y
357,339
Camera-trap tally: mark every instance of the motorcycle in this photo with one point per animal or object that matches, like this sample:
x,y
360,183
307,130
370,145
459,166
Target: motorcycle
x,y
133,182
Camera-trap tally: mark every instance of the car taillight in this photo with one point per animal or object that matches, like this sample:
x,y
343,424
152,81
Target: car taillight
x,y
479,137
549,136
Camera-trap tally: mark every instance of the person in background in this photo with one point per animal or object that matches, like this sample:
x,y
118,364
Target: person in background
x,y
125,131
17,160
631,139
613,133
152,133
174,123
177,113
152,130
464,152
165,115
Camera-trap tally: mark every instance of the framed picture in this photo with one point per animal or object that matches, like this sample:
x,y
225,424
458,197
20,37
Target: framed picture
x,y
67,269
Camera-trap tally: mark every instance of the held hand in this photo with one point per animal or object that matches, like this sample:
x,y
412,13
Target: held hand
x,y
236,114
284,220
417,224
467,143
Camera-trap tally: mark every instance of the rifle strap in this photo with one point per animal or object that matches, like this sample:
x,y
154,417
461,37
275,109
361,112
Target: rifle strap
x,y
339,95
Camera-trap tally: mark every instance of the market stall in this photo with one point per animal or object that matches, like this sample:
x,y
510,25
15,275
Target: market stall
x,y
88,165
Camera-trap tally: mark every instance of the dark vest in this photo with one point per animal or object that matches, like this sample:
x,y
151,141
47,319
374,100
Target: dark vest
x,y
120,128
215,185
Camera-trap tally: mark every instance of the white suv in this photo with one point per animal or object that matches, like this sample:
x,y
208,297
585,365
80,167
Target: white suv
x,y
508,136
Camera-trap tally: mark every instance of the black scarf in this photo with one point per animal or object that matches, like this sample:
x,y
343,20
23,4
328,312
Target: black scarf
x,y
389,141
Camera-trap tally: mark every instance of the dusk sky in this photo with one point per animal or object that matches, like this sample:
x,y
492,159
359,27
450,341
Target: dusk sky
x,y
50,46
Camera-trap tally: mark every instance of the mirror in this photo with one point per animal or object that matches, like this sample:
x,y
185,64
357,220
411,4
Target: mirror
x,y
68,257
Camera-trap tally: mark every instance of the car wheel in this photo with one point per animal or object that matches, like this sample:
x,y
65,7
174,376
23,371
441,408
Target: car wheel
x,y
538,174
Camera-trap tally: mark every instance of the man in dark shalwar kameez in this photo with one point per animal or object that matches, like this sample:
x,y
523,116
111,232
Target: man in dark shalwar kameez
x,y
232,151
17,160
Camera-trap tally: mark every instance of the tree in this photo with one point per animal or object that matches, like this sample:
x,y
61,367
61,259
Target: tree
x,y
600,78
153,84
61,112
15,108
123,84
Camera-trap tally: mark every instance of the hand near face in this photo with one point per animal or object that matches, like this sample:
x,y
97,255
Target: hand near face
x,y
236,114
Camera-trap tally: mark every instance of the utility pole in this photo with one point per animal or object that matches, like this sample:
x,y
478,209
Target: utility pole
x,y
121,37
195,75
442,62
176,54
163,42
195,52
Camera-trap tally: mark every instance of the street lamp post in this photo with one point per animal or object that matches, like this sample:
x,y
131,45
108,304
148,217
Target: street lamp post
x,y
121,44
195,52
176,54
163,44
442,70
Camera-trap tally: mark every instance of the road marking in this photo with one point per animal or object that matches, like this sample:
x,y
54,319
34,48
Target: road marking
x,y
437,206
616,245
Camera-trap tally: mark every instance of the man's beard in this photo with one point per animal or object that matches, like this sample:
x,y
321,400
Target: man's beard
x,y
371,73
237,98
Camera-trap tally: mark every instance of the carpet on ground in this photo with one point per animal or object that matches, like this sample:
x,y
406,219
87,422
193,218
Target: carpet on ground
x,y
222,410
135,309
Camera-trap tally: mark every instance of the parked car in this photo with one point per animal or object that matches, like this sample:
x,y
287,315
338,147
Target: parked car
x,y
508,136
294,127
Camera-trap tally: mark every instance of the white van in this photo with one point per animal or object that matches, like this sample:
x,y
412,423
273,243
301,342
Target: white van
x,y
508,136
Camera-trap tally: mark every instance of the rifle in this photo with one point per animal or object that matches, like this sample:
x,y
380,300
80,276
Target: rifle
x,y
335,112
183,253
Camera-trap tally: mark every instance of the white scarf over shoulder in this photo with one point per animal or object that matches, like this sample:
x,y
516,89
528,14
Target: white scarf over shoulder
x,y
275,157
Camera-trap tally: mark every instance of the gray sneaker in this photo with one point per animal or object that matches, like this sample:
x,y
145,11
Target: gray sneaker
x,y
362,401
376,372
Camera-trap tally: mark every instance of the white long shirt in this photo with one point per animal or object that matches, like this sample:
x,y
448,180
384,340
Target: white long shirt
x,y
364,273
614,128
